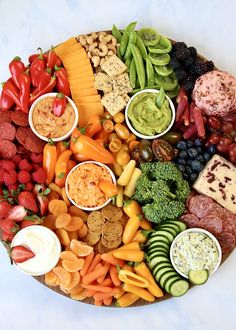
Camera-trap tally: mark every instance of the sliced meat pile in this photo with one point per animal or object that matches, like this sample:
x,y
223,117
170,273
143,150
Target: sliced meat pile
x,y
204,212
215,93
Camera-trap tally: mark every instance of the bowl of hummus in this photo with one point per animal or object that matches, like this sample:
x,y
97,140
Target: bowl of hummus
x,y
145,119
46,125
82,185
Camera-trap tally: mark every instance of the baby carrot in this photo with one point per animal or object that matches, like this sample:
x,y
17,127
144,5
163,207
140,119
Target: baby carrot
x,y
97,302
87,261
112,260
94,263
107,282
89,278
102,278
89,293
114,276
145,224
107,301
104,295
129,255
97,287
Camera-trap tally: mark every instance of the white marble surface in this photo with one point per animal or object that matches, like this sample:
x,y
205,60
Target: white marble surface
x,y
28,24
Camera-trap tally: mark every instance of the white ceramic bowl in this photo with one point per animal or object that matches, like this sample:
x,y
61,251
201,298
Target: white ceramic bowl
x,y
64,137
196,230
46,246
90,208
140,135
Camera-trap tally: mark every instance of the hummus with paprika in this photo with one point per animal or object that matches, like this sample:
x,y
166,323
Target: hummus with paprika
x,y
49,125
83,185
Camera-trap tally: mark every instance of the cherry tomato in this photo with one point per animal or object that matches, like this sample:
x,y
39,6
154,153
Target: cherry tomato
x,y
214,138
122,157
132,137
147,142
125,147
117,169
119,118
162,150
122,131
107,115
115,145
214,122
108,125
113,136
135,153
146,152
224,144
227,127
232,153
172,137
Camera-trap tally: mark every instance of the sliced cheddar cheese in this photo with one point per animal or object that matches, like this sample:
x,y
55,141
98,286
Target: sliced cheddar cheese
x,y
88,99
86,110
86,92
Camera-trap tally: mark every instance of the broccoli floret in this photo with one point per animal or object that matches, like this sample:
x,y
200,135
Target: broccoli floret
x,y
164,210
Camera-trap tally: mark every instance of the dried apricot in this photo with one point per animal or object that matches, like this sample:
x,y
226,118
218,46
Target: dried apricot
x,y
53,195
51,279
81,249
64,276
64,290
63,236
68,255
78,288
79,295
63,220
73,265
73,235
55,188
83,231
75,280
57,207
64,196
75,211
49,222
75,224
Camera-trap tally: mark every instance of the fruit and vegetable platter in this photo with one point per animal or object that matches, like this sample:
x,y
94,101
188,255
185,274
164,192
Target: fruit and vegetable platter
x,y
117,167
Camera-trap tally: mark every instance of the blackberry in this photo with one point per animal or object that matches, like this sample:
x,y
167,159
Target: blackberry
x,y
175,63
193,51
188,83
200,67
178,45
182,54
189,62
180,74
210,65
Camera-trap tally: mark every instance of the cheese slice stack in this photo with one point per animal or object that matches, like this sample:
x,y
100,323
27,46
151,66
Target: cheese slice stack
x,y
81,79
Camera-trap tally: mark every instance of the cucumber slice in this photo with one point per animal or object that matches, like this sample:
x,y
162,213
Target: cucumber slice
x,y
160,244
169,229
167,275
168,83
169,281
164,46
149,36
159,59
158,237
173,226
162,271
182,225
166,234
159,249
163,70
172,94
158,259
179,288
160,265
199,276
156,254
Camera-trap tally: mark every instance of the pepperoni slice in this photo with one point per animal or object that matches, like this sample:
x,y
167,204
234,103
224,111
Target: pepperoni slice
x,y
33,143
20,118
212,223
190,220
22,133
7,131
227,241
229,222
191,194
5,116
201,205
7,149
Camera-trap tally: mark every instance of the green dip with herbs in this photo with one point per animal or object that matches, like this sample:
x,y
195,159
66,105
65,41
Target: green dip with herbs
x,y
146,117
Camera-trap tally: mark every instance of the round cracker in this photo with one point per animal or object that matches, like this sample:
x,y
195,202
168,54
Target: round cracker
x,y
112,213
112,230
100,248
92,238
111,244
95,221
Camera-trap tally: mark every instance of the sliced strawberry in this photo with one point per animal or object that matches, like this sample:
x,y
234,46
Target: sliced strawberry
x,y
27,199
8,226
40,193
4,209
7,237
17,213
20,254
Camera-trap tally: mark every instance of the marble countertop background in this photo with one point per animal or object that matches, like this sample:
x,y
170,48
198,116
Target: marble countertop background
x,y
29,24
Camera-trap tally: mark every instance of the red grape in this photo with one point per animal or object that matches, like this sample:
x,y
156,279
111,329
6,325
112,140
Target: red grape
x,y
227,127
214,122
224,144
232,153
214,138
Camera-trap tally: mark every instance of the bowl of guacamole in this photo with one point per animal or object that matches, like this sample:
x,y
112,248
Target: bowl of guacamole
x,y
145,118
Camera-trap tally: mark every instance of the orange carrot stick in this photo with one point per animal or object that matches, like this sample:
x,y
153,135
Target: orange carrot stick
x,y
107,301
114,276
104,295
97,302
94,263
108,257
97,287
89,293
89,278
102,278
87,261
107,282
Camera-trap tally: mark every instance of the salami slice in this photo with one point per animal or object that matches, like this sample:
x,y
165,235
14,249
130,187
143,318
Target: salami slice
x,y
7,131
227,241
5,116
229,222
33,143
212,223
20,118
201,205
7,149
22,133
191,194
190,220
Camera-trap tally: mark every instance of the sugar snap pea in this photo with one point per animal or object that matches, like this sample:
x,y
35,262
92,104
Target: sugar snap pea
x,y
136,90
149,71
128,62
139,65
160,98
116,33
132,40
132,73
118,53
141,47
125,37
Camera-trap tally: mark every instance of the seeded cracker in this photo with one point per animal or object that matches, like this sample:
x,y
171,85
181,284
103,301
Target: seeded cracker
x,y
113,66
112,230
92,238
95,222
111,244
122,84
103,82
113,103
112,213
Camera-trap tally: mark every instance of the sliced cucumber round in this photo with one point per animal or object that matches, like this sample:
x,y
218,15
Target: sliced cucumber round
x,y
160,244
158,237
159,249
168,278
174,226
160,265
179,288
159,59
158,259
163,46
182,225
162,272
199,276
149,36
163,70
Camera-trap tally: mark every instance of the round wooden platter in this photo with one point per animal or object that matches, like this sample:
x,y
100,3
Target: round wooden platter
x,y
140,302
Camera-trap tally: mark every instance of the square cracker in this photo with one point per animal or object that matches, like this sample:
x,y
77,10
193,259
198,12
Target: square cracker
x,y
103,82
121,84
113,66
113,102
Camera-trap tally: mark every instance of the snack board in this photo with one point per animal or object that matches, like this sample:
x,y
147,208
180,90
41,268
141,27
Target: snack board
x,y
121,144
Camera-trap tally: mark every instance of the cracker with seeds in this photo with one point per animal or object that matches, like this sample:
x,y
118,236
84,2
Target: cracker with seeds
x,y
113,103
103,82
113,66
95,222
112,213
121,84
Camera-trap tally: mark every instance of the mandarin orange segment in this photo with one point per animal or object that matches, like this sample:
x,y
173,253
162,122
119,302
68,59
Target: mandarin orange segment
x,y
63,220
68,255
51,278
73,265
57,207
83,231
67,248
53,195
75,224
81,249
76,289
64,196
49,222
64,290
79,295
73,234
64,276
63,236
75,211
75,280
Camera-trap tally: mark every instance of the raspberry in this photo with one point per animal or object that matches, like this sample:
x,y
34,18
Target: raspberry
x,y
35,166
10,177
24,176
29,186
36,158
16,159
8,165
40,175
25,165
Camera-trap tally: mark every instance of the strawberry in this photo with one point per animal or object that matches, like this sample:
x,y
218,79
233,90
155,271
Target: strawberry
x,y
40,175
25,165
36,158
41,196
20,253
4,209
24,176
16,159
30,221
7,237
26,199
10,177
8,226
17,213
29,186
1,175
8,165
12,188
